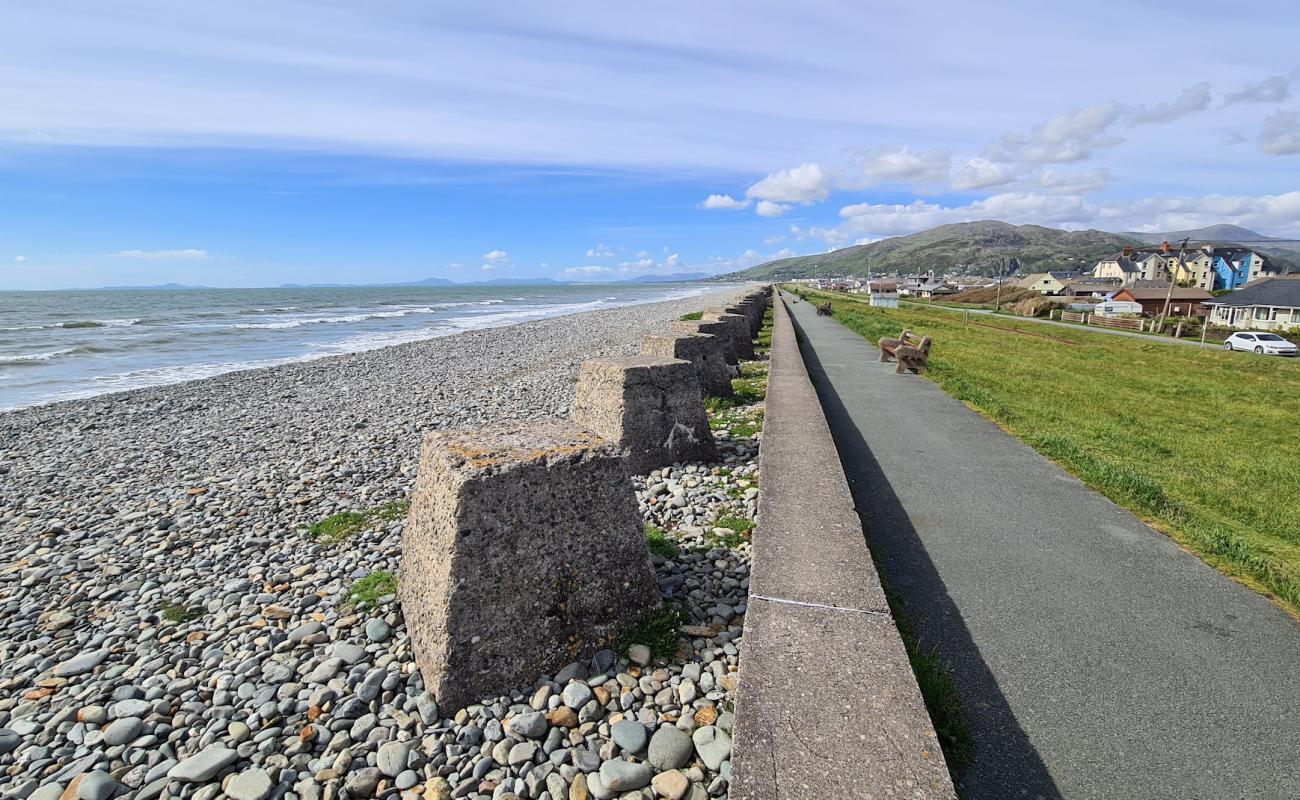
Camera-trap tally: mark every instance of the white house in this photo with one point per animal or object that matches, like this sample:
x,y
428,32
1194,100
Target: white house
x,y
1268,304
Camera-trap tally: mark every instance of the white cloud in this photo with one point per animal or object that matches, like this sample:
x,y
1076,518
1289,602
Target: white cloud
x,y
589,271
980,173
1280,135
1060,181
162,255
1274,89
806,183
1190,100
726,201
496,259
672,261
600,251
766,208
19,259
1063,137
899,165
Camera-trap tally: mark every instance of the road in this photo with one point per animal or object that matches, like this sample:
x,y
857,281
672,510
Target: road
x,y
1094,658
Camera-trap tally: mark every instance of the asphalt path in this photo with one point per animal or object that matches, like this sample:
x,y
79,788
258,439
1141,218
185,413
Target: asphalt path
x,y
1094,658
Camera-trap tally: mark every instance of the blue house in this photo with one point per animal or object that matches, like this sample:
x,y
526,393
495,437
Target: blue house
x,y
1227,275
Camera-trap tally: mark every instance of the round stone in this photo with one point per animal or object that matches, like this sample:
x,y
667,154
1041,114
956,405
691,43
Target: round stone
x,y
670,748
629,735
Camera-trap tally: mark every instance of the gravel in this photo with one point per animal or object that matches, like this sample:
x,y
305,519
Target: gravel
x,y
169,627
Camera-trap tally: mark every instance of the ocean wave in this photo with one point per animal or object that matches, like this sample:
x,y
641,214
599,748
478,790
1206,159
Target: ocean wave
x,y
76,324
36,359
390,313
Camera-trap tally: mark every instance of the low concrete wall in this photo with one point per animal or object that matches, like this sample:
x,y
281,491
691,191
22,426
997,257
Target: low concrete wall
x,y
828,706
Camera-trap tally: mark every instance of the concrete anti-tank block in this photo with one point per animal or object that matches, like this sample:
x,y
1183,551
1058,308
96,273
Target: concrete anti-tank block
x,y
703,350
523,551
741,339
648,406
720,330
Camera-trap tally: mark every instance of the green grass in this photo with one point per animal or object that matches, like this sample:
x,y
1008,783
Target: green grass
x,y
694,315
659,543
174,612
740,530
369,589
391,511
1200,442
338,527
659,629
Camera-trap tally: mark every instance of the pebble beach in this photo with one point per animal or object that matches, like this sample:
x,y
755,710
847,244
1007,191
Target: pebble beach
x,y
174,627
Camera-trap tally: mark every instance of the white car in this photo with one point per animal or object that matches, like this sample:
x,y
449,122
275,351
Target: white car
x,y
1263,343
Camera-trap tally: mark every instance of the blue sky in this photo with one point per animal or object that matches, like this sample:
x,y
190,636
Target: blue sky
x,y
254,144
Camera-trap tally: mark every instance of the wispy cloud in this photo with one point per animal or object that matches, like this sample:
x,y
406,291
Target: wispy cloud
x,y
1273,89
1190,100
188,254
19,259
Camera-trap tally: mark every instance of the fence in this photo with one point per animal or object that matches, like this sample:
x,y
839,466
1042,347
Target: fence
x,y
1075,316
1125,323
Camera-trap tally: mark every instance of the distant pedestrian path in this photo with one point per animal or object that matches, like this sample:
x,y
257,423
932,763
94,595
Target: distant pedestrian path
x,y
1093,657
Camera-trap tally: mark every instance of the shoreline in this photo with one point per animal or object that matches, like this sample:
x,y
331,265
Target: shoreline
x,y
209,369
169,617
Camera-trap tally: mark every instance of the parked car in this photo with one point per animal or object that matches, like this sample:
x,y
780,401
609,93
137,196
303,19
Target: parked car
x,y
1263,343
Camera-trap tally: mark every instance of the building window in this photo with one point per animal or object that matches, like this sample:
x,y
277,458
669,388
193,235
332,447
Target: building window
x,y
1261,312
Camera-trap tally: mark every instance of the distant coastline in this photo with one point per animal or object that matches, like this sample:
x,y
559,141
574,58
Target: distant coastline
x,y
677,277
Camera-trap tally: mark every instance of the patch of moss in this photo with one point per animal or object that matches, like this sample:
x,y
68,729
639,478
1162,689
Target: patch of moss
x,y
391,511
174,612
369,589
694,315
337,527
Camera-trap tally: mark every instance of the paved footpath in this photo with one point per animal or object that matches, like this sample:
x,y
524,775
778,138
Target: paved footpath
x,y
1094,658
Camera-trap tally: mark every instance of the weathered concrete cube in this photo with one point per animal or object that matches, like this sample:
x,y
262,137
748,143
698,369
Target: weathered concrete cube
x,y
750,310
648,406
721,330
741,338
524,550
703,350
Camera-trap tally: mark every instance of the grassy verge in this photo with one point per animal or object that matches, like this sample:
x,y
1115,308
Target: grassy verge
x,y
1201,443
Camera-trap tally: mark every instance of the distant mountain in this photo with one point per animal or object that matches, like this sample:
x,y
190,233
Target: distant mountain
x,y
161,287
1223,232
973,247
676,277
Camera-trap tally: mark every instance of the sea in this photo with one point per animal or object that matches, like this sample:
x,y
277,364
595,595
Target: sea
x,y
63,345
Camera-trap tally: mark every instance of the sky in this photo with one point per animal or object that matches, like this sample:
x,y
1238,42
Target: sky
x,y
253,144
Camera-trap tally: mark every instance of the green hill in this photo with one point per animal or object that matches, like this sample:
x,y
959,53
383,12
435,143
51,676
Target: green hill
x,y
974,247
978,248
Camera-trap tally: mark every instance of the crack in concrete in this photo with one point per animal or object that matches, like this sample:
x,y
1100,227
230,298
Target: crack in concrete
x,y
875,611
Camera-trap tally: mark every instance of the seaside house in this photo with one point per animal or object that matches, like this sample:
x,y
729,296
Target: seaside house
x,y
1120,266
1203,266
884,294
1269,304
1091,287
1184,301
931,290
1049,283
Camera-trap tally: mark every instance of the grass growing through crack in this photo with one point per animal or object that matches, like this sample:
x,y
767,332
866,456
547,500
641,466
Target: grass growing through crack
x,y
369,589
659,629
659,543
1200,442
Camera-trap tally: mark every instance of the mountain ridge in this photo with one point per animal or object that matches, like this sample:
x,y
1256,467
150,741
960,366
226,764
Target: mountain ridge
x,y
981,247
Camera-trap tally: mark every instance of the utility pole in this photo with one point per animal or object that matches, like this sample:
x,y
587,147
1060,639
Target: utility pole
x,y
1169,296
997,303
